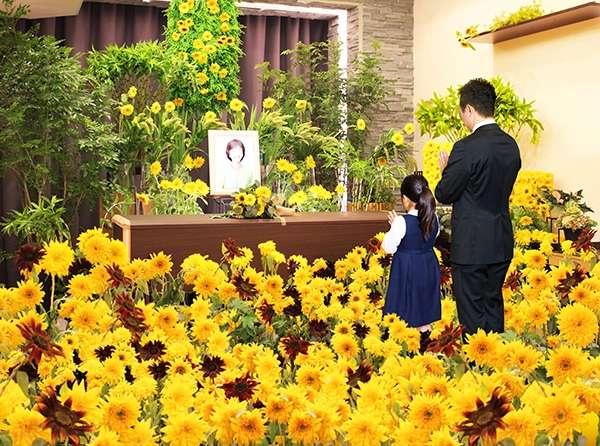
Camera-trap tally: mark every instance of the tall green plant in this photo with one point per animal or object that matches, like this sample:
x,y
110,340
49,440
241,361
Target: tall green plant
x,y
55,138
208,35
440,115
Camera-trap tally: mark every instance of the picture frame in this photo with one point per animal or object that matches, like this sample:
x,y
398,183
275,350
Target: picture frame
x,y
226,174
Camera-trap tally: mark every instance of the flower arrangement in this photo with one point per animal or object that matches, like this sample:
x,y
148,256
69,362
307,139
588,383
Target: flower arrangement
x,y
174,192
570,208
431,167
254,201
207,33
256,358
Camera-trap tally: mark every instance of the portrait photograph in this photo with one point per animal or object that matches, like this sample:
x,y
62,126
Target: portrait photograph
x,y
234,160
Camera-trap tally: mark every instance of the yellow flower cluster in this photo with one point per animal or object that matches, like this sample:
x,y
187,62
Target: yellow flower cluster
x,y
303,358
431,168
526,191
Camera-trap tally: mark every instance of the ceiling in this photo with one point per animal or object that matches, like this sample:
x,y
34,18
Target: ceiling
x,y
57,8
50,8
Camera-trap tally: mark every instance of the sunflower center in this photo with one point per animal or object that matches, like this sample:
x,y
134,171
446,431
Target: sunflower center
x,y
240,388
484,418
40,341
64,418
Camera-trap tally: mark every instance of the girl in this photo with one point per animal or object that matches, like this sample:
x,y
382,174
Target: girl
x,y
414,286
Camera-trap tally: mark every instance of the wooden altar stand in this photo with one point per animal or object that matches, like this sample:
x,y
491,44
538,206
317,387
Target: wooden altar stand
x,y
330,235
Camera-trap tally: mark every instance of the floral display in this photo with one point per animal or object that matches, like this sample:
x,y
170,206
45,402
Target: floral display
x,y
253,201
431,167
174,192
208,33
295,352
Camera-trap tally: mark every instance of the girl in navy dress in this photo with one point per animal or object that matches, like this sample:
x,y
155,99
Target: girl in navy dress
x,y
414,285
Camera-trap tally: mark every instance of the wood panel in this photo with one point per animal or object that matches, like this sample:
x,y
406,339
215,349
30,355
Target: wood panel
x,y
329,235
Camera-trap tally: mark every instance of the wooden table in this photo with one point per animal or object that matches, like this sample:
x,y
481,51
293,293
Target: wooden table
x,y
330,235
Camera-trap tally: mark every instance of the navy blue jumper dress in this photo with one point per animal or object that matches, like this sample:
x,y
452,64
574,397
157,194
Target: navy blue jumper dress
x,y
414,286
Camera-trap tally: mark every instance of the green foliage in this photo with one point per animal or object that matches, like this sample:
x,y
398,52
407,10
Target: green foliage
x,y
55,137
440,115
39,223
522,14
208,35
145,65
319,83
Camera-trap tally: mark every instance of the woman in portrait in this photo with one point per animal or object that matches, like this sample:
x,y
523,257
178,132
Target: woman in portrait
x,y
235,175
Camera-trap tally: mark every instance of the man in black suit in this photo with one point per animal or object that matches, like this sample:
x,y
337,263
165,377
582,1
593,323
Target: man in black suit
x,y
477,178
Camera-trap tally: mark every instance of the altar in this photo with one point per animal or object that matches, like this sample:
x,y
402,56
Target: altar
x,y
329,235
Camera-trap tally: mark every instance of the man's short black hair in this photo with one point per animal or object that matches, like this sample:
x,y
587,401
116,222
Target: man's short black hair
x,y
480,94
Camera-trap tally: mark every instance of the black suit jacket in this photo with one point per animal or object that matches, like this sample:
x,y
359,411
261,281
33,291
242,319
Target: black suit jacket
x,y
481,171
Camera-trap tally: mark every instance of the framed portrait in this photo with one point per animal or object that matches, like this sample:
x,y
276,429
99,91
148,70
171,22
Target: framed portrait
x,y
233,160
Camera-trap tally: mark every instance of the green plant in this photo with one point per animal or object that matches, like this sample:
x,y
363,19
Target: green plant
x,y
208,35
523,14
55,135
145,65
440,115
38,222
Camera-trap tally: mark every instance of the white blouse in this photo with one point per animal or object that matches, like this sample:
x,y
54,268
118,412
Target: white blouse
x,y
394,236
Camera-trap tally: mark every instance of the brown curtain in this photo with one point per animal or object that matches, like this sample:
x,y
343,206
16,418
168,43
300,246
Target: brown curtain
x,y
100,24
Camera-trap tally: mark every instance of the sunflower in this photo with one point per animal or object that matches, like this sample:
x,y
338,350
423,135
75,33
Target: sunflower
x,y
185,429
212,366
566,362
398,138
578,324
486,419
28,294
365,429
535,259
345,345
560,415
38,341
160,264
428,412
27,256
241,388
64,422
525,357
303,427
249,427
446,341
25,426
521,426
126,110
58,258
482,347
293,346
235,105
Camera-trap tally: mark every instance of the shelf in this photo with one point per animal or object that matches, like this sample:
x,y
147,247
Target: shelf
x,y
546,22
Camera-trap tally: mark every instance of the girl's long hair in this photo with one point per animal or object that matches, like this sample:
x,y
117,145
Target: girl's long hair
x,y
416,188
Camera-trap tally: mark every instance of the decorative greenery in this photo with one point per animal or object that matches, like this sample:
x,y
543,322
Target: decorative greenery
x,y
55,136
374,176
523,14
325,101
207,34
145,65
440,115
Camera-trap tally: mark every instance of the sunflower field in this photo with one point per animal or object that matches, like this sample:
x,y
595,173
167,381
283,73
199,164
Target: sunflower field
x,y
100,349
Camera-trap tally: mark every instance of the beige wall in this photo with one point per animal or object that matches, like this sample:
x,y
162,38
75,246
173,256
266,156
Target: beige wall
x,y
559,69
